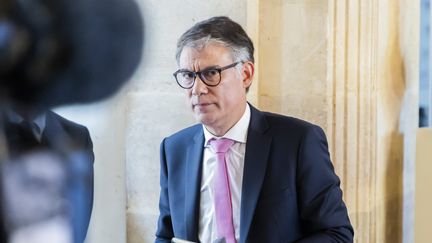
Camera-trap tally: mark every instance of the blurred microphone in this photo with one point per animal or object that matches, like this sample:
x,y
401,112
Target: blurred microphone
x,y
55,52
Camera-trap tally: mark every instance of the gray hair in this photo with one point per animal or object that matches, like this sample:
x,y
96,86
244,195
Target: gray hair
x,y
218,30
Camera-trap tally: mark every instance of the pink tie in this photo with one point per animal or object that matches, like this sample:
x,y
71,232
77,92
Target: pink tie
x,y
222,192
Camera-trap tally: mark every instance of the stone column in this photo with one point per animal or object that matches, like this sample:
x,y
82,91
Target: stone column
x,y
351,67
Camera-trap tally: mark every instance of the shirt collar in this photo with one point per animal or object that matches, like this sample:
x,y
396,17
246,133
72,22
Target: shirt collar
x,y
237,133
40,120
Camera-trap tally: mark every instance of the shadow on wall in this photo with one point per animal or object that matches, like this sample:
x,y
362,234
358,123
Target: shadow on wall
x,y
393,201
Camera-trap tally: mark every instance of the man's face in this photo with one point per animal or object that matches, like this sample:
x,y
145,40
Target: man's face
x,y
220,107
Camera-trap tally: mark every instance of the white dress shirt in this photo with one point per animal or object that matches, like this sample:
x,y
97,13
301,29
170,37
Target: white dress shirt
x,y
235,164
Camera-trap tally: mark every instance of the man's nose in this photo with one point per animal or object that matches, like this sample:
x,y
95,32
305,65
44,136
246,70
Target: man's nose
x,y
199,87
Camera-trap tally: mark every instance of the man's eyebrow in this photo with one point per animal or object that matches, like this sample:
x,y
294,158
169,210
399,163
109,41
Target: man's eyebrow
x,y
210,67
204,69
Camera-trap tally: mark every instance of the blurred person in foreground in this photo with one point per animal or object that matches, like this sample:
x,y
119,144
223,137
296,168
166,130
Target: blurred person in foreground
x,y
54,53
64,167
241,174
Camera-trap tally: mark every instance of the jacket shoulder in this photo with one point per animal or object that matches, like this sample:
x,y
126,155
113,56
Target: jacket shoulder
x,y
186,134
65,123
287,122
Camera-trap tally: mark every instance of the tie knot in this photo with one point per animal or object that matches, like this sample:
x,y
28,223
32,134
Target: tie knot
x,y
221,145
29,126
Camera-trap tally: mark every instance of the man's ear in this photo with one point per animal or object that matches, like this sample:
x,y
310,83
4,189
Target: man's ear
x,y
248,71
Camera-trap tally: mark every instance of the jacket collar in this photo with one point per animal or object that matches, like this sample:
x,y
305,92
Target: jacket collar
x,y
256,157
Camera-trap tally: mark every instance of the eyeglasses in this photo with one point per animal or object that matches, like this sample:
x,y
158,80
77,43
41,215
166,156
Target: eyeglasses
x,y
210,76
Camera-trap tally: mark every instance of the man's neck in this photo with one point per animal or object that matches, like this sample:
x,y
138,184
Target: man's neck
x,y
219,131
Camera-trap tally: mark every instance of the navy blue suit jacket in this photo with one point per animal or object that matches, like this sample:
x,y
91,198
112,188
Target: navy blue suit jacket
x,y
290,192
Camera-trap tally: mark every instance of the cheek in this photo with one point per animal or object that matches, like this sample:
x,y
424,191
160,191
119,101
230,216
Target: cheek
x,y
226,100
187,98
233,93
188,94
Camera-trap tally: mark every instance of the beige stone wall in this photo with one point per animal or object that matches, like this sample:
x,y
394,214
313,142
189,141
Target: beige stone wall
x,y
292,45
423,195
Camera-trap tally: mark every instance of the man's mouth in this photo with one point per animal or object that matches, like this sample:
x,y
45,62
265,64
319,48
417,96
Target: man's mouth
x,y
202,104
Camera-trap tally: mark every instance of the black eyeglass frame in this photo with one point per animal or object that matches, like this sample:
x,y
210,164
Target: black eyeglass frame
x,y
199,73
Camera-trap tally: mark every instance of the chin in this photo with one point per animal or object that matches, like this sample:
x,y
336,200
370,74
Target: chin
x,y
204,119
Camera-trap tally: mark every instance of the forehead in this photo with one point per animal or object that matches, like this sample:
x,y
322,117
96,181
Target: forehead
x,y
207,55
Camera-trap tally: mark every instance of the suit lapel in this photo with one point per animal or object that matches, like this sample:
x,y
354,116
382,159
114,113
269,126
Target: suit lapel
x,y
193,184
53,134
256,157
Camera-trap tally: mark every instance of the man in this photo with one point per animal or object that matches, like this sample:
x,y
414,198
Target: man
x,y
32,131
242,175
